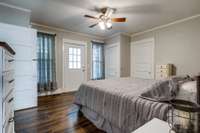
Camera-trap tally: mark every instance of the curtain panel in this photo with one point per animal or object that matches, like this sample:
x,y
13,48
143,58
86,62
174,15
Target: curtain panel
x,y
46,62
98,61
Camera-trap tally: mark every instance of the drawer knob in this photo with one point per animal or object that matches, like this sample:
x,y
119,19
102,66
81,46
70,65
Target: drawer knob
x,y
9,101
11,60
11,120
11,81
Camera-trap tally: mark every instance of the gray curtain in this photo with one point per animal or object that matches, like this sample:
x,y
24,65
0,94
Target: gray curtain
x,y
46,62
98,63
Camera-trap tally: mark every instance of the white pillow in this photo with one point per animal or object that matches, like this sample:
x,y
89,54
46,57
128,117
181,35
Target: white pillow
x,y
188,91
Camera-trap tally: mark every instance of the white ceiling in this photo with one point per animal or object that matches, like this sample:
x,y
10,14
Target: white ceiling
x,y
141,14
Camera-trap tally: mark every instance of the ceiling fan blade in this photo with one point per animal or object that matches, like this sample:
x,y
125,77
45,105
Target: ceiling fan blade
x,y
88,16
91,26
109,12
118,19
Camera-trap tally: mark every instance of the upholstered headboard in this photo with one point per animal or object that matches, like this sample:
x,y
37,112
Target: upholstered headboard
x,y
198,89
198,98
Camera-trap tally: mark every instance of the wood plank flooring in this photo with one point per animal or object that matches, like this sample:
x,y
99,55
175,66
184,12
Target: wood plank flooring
x,y
54,114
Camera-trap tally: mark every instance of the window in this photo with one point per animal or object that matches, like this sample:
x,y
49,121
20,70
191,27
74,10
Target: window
x,y
46,62
98,61
74,58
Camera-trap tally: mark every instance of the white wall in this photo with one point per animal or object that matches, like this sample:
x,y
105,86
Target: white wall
x,y
14,15
125,55
178,44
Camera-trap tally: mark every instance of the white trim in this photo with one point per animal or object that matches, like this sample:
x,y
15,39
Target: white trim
x,y
139,42
98,41
143,41
48,32
91,61
112,45
65,30
76,42
118,34
166,25
14,7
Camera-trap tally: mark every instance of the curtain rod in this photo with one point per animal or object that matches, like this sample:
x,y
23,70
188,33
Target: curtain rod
x,y
98,41
47,32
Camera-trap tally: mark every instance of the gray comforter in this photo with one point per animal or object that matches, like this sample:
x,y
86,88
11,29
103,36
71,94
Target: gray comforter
x,y
126,102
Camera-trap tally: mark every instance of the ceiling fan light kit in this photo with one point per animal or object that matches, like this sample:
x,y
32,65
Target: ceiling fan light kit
x,y
105,24
104,19
102,25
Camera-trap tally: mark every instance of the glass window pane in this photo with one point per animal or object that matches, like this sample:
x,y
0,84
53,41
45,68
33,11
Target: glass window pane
x,y
74,51
79,58
74,58
70,58
70,50
79,51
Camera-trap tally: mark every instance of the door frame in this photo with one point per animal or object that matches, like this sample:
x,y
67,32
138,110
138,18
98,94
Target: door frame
x,y
80,43
117,44
152,40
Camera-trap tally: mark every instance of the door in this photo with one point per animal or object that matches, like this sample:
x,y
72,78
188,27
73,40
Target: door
x,y
142,59
74,66
112,61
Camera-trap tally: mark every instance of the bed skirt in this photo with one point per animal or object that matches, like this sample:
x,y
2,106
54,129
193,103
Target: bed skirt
x,y
99,121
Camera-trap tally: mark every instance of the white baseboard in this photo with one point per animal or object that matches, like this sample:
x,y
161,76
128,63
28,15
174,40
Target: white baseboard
x,y
58,91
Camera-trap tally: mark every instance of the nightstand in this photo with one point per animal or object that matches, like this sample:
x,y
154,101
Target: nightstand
x,y
154,126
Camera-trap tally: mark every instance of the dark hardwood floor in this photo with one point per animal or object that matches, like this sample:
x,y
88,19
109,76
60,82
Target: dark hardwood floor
x,y
54,114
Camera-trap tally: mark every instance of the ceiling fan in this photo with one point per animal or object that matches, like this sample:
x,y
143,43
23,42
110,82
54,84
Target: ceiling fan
x,y
104,20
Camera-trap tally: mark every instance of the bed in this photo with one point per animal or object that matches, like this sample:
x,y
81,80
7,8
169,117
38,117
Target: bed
x,y
122,105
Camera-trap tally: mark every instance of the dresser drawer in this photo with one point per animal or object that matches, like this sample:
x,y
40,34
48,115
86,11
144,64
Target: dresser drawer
x,y
8,83
8,108
162,70
162,66
9,126
8,61
161,76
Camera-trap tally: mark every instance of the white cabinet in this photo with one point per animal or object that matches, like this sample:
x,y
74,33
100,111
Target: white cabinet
x,y
164,71
7,85
23,41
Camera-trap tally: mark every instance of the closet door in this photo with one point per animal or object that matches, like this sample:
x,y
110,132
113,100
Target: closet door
x,y
23,41
142,59
112,61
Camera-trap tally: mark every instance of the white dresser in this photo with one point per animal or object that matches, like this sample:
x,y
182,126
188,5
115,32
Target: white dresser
x,y
7,89
164,71
23,40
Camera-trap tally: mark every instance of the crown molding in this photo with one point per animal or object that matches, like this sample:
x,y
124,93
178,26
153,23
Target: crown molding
x,y
166,25
15,7
117,34
65,30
